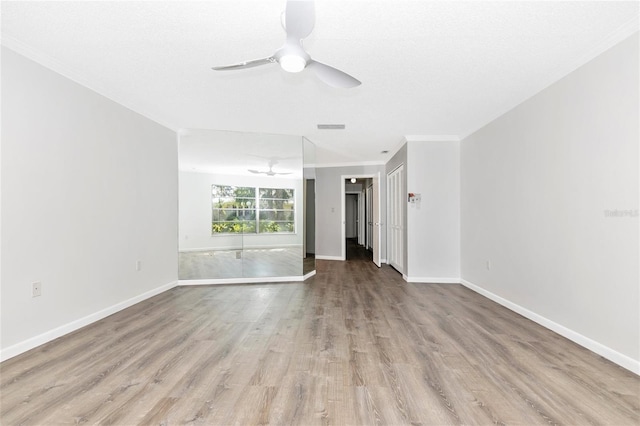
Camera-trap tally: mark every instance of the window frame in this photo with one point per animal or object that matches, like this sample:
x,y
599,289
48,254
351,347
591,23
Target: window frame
x,y
253,206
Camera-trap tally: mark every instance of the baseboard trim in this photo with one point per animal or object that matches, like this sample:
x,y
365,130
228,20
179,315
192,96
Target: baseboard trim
x,y
60,331
431,280
322,257
259,280
340,258
239,248
602,350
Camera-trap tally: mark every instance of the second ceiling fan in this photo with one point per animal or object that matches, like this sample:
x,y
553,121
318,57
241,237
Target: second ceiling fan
x,y
269,172
299,20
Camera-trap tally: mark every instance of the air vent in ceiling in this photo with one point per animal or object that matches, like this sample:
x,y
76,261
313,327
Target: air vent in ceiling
x,y
331,126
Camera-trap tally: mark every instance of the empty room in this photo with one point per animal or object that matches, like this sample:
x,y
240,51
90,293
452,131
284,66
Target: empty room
x,y
328,212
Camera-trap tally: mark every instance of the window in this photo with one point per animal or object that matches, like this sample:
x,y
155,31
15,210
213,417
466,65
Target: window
x,y
249,210
276,210
234,209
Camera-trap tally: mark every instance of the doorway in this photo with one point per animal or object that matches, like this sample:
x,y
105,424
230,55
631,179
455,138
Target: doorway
x,y
354,220
351,222
362,183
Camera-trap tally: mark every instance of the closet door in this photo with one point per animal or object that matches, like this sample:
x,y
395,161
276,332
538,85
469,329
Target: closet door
x,y
377,225
395,218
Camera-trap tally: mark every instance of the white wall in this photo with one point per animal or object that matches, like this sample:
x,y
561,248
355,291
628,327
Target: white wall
x,y
433,224
328,208
195,213
88,188
536,185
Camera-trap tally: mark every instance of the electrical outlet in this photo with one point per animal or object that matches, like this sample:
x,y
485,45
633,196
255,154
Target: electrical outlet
x,y
488,265
138,265
36,289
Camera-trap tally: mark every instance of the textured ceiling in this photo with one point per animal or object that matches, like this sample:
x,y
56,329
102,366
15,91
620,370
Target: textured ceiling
x,y
428,69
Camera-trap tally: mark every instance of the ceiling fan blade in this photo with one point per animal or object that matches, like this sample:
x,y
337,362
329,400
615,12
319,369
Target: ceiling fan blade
x,y
299,18
255,171
332,76
247,64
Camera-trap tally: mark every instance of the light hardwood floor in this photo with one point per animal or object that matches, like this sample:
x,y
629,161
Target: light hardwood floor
x,y
353,345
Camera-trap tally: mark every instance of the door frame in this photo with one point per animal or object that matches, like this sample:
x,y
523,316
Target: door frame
x,y
376,180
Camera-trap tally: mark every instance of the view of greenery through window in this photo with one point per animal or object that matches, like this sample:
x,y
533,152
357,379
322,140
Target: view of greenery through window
x,y
249,210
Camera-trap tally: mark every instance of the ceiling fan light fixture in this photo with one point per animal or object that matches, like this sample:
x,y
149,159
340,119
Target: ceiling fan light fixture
x,y
292,63
298,21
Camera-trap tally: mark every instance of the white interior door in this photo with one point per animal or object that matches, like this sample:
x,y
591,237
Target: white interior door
x,y
377,226
395,219
361,223
369,228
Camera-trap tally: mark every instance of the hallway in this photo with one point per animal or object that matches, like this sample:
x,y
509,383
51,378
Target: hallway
x,y
357,252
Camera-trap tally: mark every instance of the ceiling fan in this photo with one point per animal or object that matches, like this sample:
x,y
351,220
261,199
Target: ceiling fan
x,y
269,172
299,20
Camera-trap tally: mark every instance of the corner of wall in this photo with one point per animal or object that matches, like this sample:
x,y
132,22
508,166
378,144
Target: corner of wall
x,y
606,352
60,331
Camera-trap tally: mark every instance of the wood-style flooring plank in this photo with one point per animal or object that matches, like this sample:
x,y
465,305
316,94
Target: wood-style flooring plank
x,y
354,345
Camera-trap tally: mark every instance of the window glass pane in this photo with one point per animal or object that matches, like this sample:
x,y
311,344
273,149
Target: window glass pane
x,y
218,216
229,214
269,226
244,192
276,210
276,204
220,202
267,215
278,215
276,193
233,209
289,226
233,227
